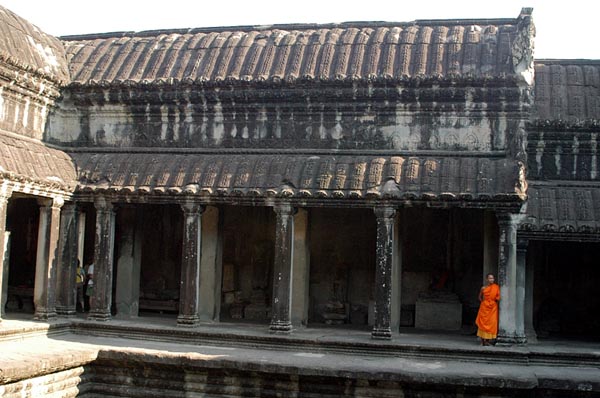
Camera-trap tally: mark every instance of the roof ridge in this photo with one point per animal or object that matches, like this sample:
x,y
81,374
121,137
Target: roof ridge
x,y
293,26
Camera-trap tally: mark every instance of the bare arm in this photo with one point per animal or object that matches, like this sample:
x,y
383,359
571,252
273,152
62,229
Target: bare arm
x,y
481,294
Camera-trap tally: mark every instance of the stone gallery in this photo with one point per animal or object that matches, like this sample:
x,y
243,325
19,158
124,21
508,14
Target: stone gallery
x,y
353,175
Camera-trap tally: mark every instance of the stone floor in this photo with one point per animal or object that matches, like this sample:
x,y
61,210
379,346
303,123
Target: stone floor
x,y
29,348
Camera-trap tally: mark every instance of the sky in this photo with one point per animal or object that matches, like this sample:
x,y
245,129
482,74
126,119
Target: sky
x,y
565,29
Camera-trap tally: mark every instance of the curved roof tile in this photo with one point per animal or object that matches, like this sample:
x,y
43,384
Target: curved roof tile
x,y
562,209
300,175
26,160
27,47
484,48
567,90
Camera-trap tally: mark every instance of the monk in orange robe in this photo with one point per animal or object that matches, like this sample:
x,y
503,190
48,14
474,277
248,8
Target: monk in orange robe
x,y
487,317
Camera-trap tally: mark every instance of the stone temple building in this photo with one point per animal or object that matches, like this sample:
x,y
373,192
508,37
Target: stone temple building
x,y
358,175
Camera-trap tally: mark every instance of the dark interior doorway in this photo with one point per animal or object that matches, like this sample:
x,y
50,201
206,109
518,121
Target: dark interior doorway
x,y
565,294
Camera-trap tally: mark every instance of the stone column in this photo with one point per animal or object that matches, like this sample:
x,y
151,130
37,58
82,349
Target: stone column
x,y
129,262
103,260
211,265
522,244
4,196
396,307
81,236
283,269
67,264
511,326
301,271
44,292
384,258
529,285
190,268
68,248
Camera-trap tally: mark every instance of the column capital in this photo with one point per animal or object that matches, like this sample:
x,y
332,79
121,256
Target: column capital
x,y
385,212
506,218
55,203
285,209
69,207
522,243
192,207
102,203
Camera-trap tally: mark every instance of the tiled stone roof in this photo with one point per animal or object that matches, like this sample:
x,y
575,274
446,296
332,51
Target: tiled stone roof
x,y
562,208
348,51
291,175
25,46
28,161
567,91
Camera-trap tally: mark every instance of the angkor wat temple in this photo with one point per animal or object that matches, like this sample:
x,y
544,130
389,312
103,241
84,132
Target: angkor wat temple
x,y
353,175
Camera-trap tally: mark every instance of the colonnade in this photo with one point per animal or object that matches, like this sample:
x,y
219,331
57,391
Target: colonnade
x,y
58,250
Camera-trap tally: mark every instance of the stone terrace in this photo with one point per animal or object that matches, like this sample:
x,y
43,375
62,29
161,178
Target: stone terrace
x,y
148,357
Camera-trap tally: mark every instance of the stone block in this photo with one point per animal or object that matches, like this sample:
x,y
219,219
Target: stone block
x,y
440,315
228,277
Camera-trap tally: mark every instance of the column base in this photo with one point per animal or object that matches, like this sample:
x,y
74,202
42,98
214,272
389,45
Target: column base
x,y
96,315
381,334
280,327
188,320
504,340
44,315
531,335
66,311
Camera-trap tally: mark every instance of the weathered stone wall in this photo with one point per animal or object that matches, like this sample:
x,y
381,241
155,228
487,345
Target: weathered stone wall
x,y
161,253
22,111
563,153
433,115
442,252
342,264
248,252
68,383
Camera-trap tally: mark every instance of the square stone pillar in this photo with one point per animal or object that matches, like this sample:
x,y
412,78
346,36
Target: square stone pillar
x,y
301,271
103,260
129,262
67,264
384,257
211,265
4,196
396,276
282,269
44,291
81,221
521,287
529,285
189,295
511,281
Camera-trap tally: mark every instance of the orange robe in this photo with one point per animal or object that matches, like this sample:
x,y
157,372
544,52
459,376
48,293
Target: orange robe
x,y
487,317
